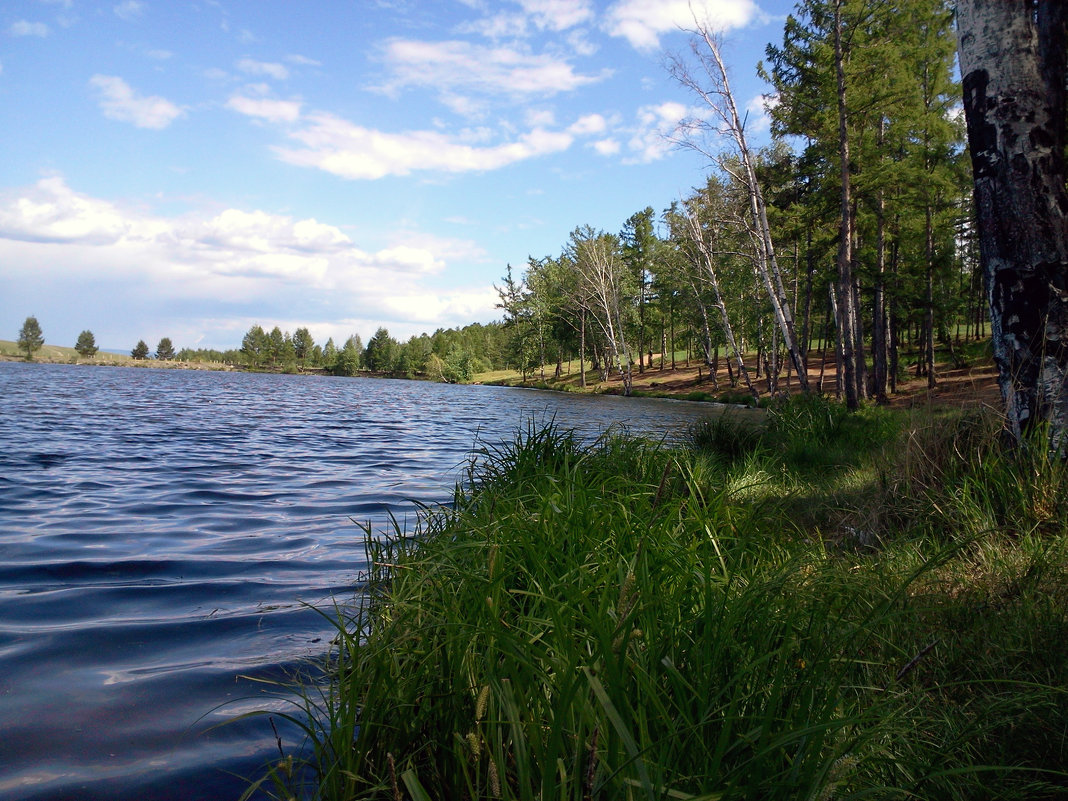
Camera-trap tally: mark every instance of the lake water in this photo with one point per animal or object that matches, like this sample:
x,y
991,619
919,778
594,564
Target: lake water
x,y
160,532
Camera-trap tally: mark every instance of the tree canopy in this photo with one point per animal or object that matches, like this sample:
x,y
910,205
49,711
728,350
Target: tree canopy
x,y
86,344
31,338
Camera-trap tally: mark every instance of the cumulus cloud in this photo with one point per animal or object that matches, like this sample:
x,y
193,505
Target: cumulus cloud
x,y
265,108
54,213
463,67
24,28
337,146
271,69
643,22
120,102
230,259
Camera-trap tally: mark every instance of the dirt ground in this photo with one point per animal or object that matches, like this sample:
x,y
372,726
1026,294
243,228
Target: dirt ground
x,y
954,386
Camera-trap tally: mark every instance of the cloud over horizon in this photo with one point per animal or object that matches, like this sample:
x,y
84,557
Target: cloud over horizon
x,y
232,258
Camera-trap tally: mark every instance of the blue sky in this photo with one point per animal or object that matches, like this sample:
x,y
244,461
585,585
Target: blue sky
x,y
189,169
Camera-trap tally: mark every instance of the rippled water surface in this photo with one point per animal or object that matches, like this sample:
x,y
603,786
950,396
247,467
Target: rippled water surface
x,y
159,531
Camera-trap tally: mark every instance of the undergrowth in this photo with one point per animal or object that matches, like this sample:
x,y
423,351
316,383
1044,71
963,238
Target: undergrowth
x,y
830,606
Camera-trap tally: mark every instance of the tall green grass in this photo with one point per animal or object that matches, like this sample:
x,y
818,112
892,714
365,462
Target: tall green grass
x,y
626,620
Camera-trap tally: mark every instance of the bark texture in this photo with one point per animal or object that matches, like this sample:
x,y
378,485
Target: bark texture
x,y
1012,55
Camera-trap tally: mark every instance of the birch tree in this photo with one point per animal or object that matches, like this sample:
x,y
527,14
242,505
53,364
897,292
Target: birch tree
x,y
1012,57
596,256
700,241
719,99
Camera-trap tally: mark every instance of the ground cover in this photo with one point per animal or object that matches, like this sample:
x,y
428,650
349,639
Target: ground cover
x,y
965,377
830,605
57,354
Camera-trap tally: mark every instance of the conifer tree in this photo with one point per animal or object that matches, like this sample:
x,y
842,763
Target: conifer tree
x,y
31,337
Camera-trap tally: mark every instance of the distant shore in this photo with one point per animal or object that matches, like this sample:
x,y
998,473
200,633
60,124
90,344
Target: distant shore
x,y
957,384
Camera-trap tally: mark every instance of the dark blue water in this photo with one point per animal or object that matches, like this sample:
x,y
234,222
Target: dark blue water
x,y
160,532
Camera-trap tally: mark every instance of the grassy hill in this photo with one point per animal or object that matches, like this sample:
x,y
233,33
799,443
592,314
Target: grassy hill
x,y
60,354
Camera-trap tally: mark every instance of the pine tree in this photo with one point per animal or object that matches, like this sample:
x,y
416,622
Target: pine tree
x,y
165,350
86,345
31,338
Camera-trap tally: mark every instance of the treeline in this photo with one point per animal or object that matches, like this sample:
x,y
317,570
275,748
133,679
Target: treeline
x,y
850,235
452,355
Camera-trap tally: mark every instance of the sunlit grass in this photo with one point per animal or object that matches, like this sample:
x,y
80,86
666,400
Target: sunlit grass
x,y
829,606
58,353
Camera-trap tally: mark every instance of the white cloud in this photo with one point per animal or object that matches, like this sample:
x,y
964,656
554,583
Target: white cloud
x,y
651,141
588,125
24,28
540,118
607,147
272,70
120,102
223,262
757,118
466,305
458,66
54,213
642,22
264,108
553,15
352,151
558,15
129,10
405,258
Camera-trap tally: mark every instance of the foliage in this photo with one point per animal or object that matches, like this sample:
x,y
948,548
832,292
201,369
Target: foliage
x,y
31,337
458,368
232,357
349,357
303,345
254,346
165,349
86,345
140,350
623,620
382,352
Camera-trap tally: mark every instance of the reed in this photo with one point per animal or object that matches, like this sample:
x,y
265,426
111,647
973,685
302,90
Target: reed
x,y
627,620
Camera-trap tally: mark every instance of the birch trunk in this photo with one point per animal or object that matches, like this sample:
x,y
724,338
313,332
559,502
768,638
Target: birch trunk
x,y
710,270
767,263
1013,67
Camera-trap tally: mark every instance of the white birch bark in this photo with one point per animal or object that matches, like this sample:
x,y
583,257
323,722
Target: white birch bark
x,y
720,100
1012,59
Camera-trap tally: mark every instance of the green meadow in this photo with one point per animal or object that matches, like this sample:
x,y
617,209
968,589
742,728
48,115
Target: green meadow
x,y
57,353
822,605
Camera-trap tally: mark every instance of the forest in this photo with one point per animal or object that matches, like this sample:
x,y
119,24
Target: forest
x,y
849,239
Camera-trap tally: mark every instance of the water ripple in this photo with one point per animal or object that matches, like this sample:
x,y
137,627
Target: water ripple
x,y
161,533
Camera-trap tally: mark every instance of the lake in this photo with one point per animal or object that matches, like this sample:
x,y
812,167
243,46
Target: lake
x,y
161,532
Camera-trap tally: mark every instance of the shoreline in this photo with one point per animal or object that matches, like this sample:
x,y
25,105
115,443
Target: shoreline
x,y
958,383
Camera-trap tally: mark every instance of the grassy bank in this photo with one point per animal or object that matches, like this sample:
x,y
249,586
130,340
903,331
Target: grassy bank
x,y
57,354
832,606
